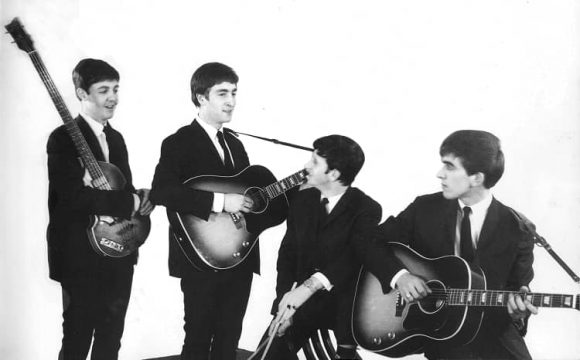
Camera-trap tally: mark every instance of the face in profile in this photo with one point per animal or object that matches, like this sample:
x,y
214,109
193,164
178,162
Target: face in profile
x,y
455,182
317,169
218,107
101,100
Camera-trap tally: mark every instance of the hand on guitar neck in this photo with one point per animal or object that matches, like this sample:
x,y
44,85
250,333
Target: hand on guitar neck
x,y
520,309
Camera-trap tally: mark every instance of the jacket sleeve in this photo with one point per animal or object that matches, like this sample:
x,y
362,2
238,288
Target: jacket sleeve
x,y
373,253
341,269
65,173
286,264
168,188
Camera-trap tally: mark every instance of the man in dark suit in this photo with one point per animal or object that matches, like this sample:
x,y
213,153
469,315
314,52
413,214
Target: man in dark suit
x,y
95,289
465,220
214,301
317,250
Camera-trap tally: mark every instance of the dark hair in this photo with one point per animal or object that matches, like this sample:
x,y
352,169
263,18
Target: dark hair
x,y
207,76
91,71
341,153
478,151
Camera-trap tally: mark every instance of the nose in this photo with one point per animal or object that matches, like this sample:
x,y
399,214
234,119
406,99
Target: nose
x,y
231,100
114,97
440,174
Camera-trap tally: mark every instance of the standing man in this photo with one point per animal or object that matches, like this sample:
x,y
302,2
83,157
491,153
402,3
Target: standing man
x,y
214,301
465,220
95,289
317,250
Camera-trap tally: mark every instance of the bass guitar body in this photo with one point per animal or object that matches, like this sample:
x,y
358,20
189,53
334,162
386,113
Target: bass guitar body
x,y
390,325
113,236
225,240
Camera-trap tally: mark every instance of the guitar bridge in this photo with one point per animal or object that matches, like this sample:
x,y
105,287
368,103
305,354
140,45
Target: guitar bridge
x,y
400,305
235,218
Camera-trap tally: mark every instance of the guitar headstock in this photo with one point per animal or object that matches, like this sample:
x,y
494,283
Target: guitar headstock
x,y
22,39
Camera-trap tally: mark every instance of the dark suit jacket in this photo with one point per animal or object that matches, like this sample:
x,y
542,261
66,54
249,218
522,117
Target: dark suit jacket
x,y
70,202
188,153
504,249
308,247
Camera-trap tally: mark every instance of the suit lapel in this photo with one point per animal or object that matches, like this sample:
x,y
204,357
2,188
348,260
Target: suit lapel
x,y
449,226
208,142
91,139
339,208
489,225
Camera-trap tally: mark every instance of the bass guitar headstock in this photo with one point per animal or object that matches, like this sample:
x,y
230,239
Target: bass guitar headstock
x,y
21,38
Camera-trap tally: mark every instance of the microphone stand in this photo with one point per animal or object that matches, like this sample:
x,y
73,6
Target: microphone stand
x,y
278,142
541,242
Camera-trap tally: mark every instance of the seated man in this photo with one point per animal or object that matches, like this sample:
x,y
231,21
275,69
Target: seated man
x,y
465,220
317,251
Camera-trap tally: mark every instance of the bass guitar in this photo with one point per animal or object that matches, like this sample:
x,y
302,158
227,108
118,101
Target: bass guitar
x,y
453,312
225,239
109,236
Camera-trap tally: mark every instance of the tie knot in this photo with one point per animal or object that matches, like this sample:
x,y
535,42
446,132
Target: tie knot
x,y
220,136
466,211
324,201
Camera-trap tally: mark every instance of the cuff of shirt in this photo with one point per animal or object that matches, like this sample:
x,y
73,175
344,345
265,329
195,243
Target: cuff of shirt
x,y
396,277
136,203
218,202
323,280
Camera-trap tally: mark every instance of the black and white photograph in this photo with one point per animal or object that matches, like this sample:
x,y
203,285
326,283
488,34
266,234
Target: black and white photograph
x,y
290,179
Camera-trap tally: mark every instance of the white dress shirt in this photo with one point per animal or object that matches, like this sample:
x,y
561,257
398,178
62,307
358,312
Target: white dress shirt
x,y
218,198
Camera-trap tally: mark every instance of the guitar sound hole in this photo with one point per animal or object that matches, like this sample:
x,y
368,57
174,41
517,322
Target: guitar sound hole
x,y
436,300
259,197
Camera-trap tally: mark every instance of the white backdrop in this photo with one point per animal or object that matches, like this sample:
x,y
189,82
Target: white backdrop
x,y
395,76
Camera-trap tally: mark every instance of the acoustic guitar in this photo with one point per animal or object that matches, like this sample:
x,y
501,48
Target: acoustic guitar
x,y
225,239
453,312
108,236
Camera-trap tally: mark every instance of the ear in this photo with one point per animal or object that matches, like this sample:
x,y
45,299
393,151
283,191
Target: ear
x,y
477,179
201,98
334,174
81,93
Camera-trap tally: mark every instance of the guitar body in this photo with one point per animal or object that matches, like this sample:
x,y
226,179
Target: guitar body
x,y
225,240
389,325
116,237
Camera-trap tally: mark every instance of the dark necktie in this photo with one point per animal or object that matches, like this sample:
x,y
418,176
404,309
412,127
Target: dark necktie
x,y
322,212
227,156
465,242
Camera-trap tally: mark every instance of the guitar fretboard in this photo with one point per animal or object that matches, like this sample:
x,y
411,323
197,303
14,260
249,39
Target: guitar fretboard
x,y
464,297
280,187
91,164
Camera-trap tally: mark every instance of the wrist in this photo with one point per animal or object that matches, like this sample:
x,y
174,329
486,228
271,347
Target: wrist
x,y
312,284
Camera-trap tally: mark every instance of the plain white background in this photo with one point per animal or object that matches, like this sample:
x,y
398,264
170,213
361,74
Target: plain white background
x,y
396,76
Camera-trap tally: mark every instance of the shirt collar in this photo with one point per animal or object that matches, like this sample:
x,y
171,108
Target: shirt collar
x,y
332,200
480,207
210,130
96,126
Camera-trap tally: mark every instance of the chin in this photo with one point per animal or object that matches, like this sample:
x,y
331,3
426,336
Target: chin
x,y
449,196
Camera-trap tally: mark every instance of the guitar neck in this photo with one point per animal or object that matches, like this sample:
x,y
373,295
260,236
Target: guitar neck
x,y
280,187
91,164
497,298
